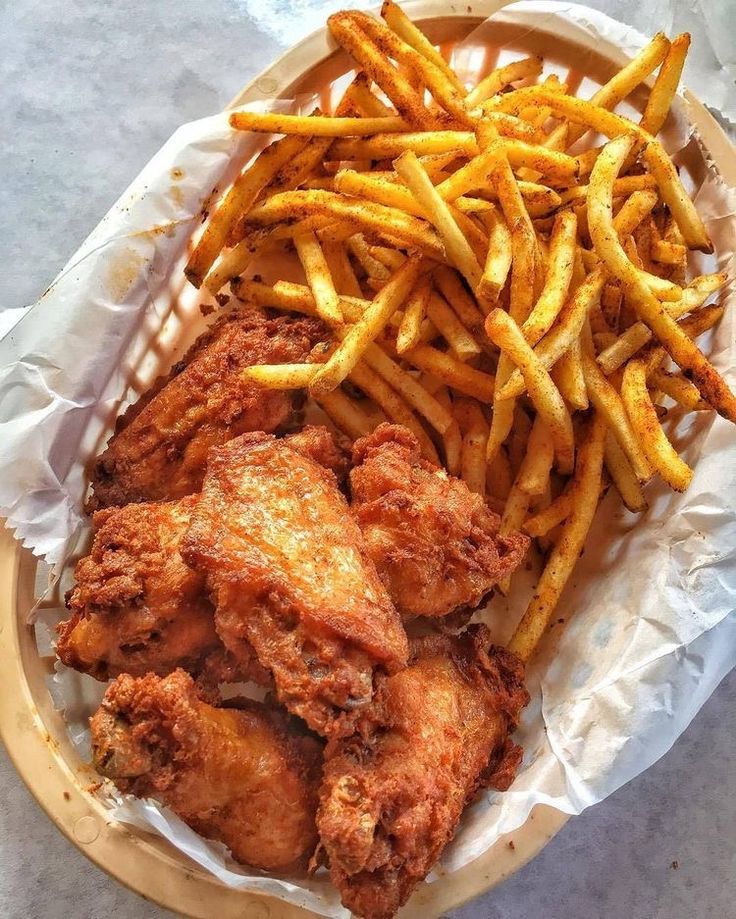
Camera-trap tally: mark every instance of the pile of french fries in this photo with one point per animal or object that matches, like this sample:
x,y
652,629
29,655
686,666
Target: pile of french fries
x,y
508,292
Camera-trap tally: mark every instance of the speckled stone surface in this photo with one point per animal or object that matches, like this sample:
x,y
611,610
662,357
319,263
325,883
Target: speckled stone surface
x,y
90,89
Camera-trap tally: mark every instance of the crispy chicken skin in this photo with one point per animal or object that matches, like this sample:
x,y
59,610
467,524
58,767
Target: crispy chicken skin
x,y
136,606
434,542
159,451
393,792
289,575
246,776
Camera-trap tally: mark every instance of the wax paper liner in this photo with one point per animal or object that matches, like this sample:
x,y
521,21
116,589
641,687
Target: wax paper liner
x,y
651,605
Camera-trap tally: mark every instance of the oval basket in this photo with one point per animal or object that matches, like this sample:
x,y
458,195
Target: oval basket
x,y
33,730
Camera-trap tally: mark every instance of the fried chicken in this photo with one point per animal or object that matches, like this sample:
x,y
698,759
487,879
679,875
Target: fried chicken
x,y
246,776
393,792
289,575
160,449
136,606
434,542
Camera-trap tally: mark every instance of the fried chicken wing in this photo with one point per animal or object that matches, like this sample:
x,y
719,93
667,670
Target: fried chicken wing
x,y
160,449
136,606
246,776
393,792
289,575
434,542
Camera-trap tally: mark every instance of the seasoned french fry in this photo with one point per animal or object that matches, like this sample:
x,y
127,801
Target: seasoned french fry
x,y
450,327
638,335
452,372
316,125
505,334
643,418
679,389
381,190
676,198
365,215
452,289
397,19
557,281
281,376
567,375
299,168
405,385
516,508
623,476
608,404
398,88
513,126
501,78
668,253
338,261
393,405
499,477
318,277
452,440
458,249
346,414
556,167
474,428
360,98
567,549
623,186
364,331
566,331
555,513
498,260
410,329
665,86
682,350
239,199
387,146
533,476
360,249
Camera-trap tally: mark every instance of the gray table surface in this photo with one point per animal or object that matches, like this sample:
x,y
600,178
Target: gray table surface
x,y
90,89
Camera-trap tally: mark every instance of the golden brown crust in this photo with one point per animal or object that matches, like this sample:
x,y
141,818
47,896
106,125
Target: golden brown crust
x,y
393,791
160,449
244,775
136,606
289,575
434,542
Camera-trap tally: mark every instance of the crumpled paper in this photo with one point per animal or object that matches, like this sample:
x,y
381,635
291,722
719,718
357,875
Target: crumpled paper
x,y
651,605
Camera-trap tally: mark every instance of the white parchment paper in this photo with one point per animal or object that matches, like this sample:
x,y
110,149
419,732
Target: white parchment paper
x,y
651,607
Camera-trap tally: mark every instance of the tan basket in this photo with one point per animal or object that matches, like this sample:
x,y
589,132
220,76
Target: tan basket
x,y
35,733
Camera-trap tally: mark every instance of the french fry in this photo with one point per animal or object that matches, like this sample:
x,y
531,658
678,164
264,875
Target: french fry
x,y
472,231
498,261
665,86
233,262
499,477
318,277
556,167
452,440
562,336
281,376
638,335
567,549
393,405
360,249
679,389
415,309
338,261
406,386
456,245
451,329
238,199
424,71
506,335
316,125
533,476
346,414
360,98
557,281
567,375
388,146
381,190
623,186
643,418
454,292
668,253
604,396
359,335
398,88
623,476
513,126
676,198
365,215
299,168
397,20
474,428
682,350
501,78
452,372
555,513
515,510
